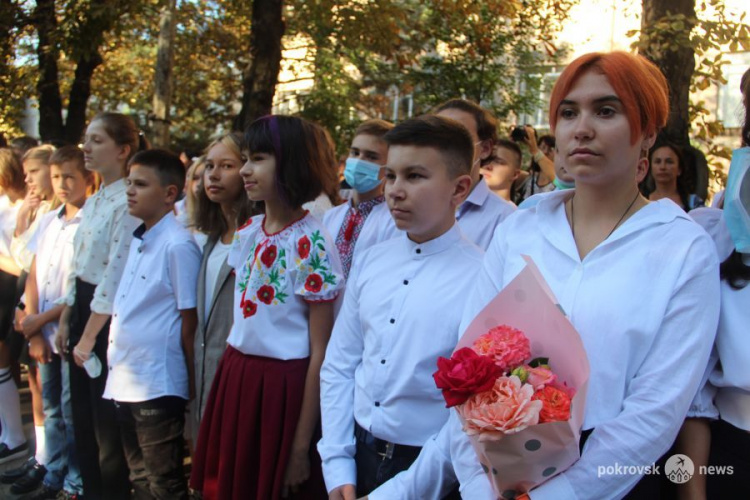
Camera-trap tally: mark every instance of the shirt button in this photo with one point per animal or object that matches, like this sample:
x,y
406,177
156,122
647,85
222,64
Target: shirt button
x,y
406,282
393,320
419,250
377,403
382,361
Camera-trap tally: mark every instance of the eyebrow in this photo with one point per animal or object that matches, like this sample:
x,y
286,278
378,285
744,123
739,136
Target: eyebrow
x,y
598,100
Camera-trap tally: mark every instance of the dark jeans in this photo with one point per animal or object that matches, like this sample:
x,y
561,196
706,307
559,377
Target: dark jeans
x,y
152,438
102,462
374,467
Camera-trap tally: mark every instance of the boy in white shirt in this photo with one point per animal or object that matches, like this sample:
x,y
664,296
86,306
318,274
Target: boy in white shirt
x,y
364,220
483,210
401,311
153,325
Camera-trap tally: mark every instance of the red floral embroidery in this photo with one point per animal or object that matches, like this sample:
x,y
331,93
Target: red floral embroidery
x,y
269,255
247,223
249,308
266,294
314,283
303,247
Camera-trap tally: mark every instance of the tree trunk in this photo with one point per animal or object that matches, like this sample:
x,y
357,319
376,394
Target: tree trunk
x,y
260,77
80,92
677,62
48,88
163,79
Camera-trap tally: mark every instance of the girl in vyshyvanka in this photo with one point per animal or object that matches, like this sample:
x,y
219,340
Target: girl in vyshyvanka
x,y
258,434
639,280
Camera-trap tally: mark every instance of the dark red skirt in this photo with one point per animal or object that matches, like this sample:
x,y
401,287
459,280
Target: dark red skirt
x,y
247,430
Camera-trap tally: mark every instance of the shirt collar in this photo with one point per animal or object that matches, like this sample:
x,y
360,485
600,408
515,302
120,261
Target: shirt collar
x,y
436,245
553,221
114,190
142,234
61,215
479,194
366,207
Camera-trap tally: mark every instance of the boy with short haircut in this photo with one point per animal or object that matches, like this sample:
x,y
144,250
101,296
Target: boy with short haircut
x,y
45,290
364,220
401,311
150,354
482,211
503,169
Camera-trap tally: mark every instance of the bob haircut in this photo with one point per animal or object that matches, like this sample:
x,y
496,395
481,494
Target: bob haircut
x,y
639,84
207,216
305,160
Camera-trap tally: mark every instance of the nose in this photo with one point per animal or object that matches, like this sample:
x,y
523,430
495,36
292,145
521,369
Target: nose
x,y
213,174
246,169
583,128
394,190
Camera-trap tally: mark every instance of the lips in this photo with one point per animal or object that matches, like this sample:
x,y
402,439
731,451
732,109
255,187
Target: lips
x,y
583,152
250,185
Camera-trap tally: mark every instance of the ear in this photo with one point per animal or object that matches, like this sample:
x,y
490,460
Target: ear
x,y
461,189
124,153
641,170
172,193
485,149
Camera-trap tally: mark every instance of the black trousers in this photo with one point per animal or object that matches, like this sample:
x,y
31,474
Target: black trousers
x,y
730,446
375,467
104,470
152,438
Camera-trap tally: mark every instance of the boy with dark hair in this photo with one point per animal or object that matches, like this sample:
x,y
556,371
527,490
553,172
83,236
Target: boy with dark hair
x,y
378,400
153,324
364,220
482,210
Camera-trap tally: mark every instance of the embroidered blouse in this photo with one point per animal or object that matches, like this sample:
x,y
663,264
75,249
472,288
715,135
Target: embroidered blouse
x,y
276,276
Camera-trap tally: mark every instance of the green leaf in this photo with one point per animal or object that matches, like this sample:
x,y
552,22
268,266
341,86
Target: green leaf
x,y
536,362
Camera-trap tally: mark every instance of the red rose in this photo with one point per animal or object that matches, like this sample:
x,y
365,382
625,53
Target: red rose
x,y
556,404
313,283
466,373
268,255
249,308
303,247
266,294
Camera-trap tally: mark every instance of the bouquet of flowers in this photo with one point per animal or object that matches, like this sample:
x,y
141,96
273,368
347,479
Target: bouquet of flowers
x,y
519,390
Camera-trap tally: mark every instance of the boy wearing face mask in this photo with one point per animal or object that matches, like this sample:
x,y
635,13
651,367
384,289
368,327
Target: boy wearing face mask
x,y
364,220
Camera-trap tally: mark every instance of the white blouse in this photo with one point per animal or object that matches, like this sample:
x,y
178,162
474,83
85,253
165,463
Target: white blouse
x,y
646,304
8,215
19,246
726,392
101,245
276,275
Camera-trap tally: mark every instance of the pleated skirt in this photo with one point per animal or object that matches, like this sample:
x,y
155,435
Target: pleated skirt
x,y
245,437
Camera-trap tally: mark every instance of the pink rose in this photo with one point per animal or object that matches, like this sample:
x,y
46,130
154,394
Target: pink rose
x,y
508,346
538,376
507,408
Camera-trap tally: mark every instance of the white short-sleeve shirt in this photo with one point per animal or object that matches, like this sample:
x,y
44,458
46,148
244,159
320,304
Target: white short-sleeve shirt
x,y
145,357
276,276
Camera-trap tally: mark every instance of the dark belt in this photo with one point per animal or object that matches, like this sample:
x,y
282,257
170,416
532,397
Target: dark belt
x,y
384,448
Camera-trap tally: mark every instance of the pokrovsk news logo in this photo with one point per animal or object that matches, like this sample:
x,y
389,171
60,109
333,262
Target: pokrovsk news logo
x,y
678,469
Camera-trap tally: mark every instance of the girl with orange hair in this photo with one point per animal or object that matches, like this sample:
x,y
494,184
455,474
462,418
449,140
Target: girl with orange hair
x,y
639,281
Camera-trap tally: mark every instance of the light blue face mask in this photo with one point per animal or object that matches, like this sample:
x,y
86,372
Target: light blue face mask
x,y
561,184
362,175
737,200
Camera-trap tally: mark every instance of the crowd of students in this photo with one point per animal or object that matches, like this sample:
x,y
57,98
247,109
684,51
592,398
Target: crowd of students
x,y
292,337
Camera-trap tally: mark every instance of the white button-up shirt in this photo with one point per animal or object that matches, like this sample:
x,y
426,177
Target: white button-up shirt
x,y
401,311
646,304
53,244
145,355
726,388
481,213
8,216
101,245
19,246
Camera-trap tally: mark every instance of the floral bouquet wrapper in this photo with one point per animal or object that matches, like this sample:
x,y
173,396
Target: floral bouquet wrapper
x,y
520,461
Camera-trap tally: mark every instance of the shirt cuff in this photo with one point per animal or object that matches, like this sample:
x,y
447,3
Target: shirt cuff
x,y
554,489
338,472
100,306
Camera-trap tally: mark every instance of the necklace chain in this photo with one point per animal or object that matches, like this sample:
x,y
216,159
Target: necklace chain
x,y
573,220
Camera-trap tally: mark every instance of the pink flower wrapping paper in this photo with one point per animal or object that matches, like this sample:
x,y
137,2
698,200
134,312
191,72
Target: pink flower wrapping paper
x,y
521,461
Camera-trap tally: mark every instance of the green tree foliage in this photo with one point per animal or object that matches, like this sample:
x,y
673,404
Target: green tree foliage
x,y
16,82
